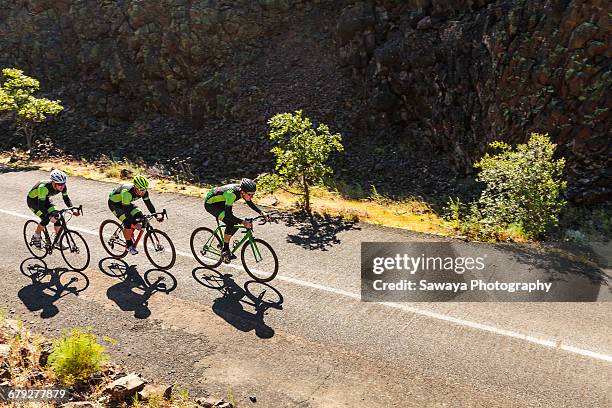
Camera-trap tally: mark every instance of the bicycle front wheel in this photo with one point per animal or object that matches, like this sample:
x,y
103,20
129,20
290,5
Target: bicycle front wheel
x,y
75,250
259,260
28,230
206,247
159,249
111,236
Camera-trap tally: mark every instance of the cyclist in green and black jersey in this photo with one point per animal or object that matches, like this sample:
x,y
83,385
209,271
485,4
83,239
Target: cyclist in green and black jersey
x,y
39,201
219,202
121,203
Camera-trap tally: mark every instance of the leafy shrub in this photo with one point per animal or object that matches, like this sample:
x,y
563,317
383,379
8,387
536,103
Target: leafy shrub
x,y
76,356
523,187
301,153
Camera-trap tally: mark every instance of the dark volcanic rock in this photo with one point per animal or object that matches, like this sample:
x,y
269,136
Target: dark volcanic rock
x,y
409,84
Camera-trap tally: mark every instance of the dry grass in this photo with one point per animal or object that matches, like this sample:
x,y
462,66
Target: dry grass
x,y
408,214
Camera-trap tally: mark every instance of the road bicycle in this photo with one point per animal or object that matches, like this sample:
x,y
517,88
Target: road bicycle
x,y
70,243
258,257
157,245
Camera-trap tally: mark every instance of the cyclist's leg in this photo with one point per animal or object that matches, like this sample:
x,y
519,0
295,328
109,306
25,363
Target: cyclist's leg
x,y
123,215
40,211
127,217
54,216
230,230
51,215
44,221
214,209
132,213
218,211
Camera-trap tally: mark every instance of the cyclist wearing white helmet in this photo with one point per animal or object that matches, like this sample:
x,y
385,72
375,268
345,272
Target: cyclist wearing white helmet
x,y
219,202
121,203
39,202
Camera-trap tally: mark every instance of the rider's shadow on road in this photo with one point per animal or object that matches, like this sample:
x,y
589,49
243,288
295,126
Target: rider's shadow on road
x,y
132,293
317,232
230,306
48,286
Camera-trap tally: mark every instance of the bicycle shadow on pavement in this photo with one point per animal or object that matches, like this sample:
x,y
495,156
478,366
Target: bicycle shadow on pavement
x,y
317,232
133,291
230,306
48,286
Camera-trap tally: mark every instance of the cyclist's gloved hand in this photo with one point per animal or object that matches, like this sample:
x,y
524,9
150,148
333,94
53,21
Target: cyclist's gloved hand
x,y
266,216
76,213
247,224
159,217
142,221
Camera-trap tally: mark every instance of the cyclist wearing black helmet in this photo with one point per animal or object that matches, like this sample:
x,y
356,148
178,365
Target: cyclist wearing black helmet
x,y
219,202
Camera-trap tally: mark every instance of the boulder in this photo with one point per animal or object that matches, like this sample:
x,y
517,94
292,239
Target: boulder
x,y
125,388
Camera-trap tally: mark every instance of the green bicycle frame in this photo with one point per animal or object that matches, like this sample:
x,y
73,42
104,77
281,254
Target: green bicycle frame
x,y
248,236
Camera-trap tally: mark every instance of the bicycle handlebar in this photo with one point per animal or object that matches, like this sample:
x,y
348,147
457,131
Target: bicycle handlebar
x,y
265,221
256,218
79,209
163,213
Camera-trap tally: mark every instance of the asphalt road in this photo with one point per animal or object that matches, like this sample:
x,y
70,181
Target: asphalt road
x,y
308,341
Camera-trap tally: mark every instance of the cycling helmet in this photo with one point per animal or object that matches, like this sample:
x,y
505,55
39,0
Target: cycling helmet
x,y
58,176
248,185
141,182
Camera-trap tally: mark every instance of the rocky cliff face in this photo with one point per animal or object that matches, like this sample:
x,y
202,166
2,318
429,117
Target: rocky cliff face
x,y
466,72
411,84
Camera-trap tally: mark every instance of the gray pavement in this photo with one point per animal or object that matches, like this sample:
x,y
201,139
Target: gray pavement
x,y
310,341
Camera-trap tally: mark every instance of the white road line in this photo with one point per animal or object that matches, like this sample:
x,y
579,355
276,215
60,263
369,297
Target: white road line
x,y
438,316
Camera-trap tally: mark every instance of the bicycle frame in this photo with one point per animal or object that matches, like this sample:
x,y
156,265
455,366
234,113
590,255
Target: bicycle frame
x,y
248,236
138,227
58,236
62,229
141,232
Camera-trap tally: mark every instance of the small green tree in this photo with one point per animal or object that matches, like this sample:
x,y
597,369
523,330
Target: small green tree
x,y
301,153
522,187
16,95
76,356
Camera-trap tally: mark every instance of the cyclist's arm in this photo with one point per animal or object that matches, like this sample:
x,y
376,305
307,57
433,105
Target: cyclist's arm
x,y
67,200
148,203
252,206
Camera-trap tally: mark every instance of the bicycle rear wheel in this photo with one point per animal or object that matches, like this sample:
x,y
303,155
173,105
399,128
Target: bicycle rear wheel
x,y
159,249
259,260
111,236
75,250
206,247
28,230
